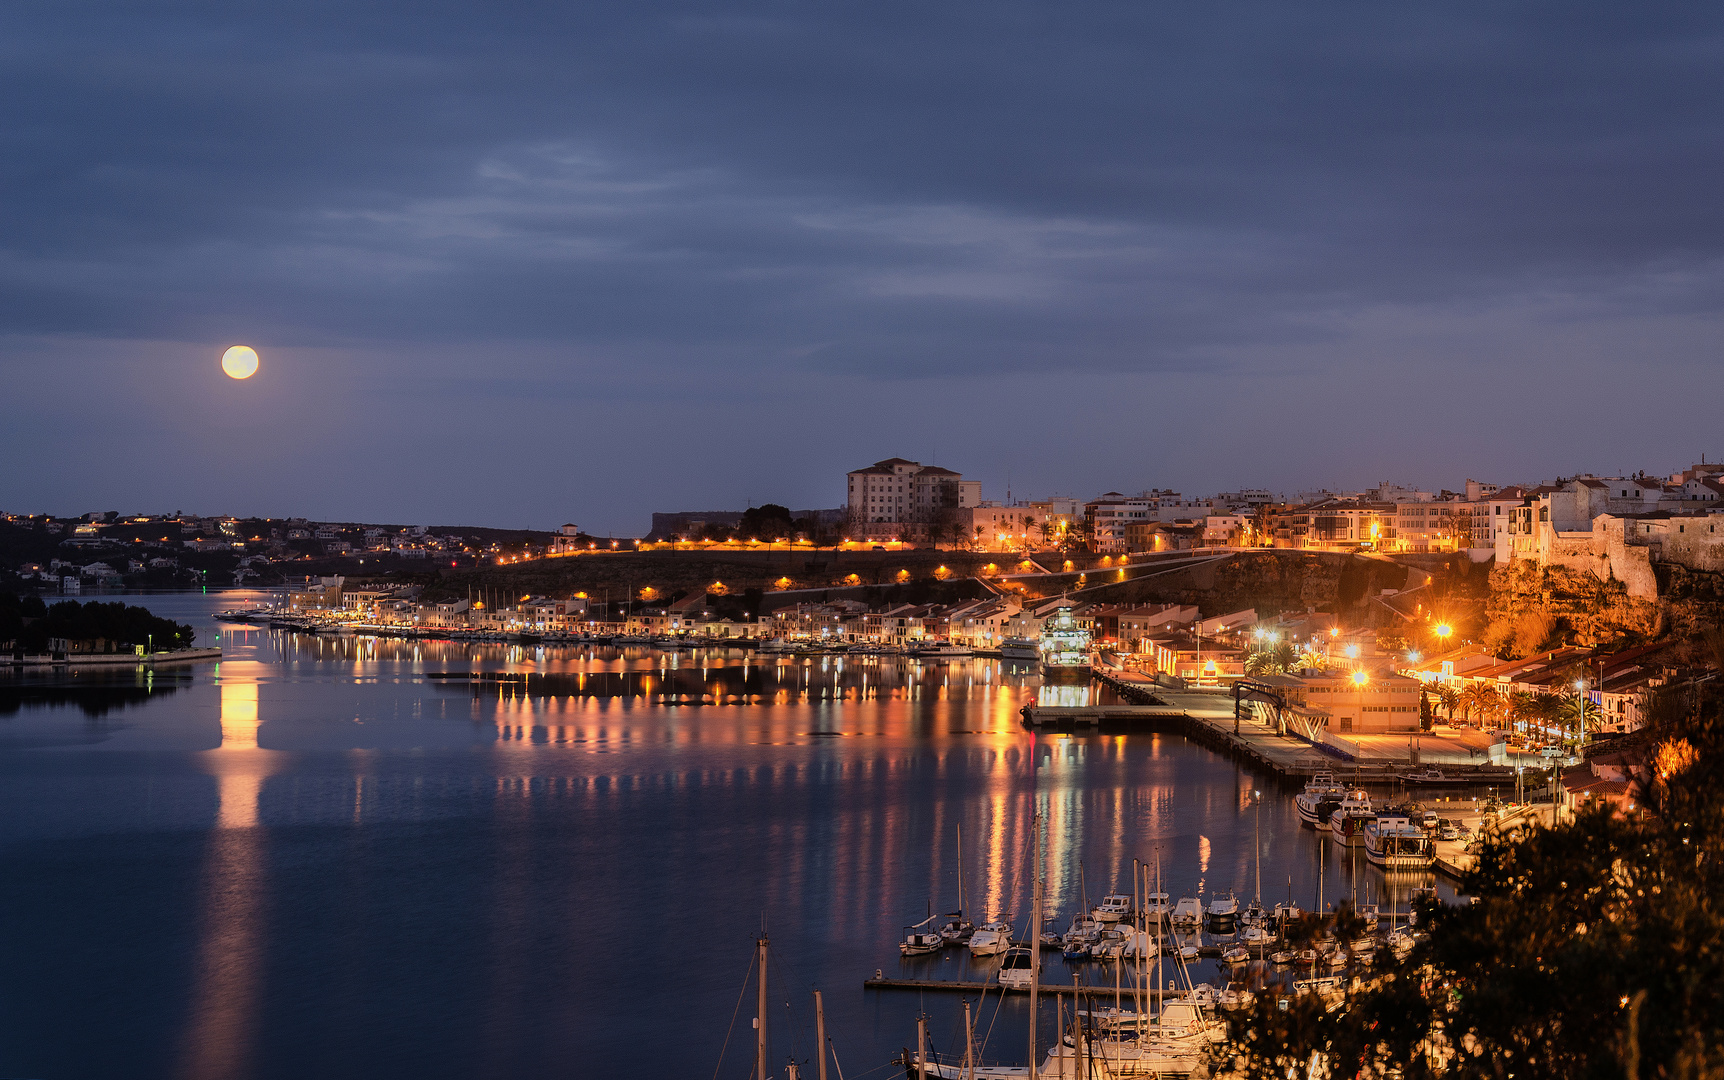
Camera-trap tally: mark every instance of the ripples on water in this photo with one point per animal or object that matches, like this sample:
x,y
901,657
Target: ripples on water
x,y
313,860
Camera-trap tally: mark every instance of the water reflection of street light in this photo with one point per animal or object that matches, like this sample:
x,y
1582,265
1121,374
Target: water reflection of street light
x,y
1359,681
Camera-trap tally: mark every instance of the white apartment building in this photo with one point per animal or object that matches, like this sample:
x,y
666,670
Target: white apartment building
x,y
898,499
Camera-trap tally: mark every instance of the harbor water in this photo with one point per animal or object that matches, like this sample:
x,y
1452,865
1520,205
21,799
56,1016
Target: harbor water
x,y
311,859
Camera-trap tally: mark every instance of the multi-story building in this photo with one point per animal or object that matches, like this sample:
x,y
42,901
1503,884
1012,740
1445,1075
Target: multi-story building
x,y
1339,524
898,499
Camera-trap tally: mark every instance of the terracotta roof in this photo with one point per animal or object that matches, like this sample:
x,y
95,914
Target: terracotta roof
x,y
935,470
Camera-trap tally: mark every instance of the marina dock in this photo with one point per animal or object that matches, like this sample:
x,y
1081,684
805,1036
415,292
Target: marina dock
x,y
971,986
1206,717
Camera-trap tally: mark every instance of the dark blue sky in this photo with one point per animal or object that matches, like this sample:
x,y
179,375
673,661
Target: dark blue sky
x,y
525,264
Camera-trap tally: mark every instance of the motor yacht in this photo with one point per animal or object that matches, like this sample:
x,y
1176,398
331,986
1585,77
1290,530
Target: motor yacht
x,y
1188,912
943,650
1018,968
1393,842
1347,823
1157,907
991,939
1113,908
1223,912
1320,789
1020,650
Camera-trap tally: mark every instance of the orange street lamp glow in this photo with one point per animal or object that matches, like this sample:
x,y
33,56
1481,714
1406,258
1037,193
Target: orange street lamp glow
x,y
1444,630
1360,678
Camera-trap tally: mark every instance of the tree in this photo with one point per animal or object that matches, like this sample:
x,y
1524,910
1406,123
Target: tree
x,y
1448,697
1480,702
1274,661
768,522
1594,949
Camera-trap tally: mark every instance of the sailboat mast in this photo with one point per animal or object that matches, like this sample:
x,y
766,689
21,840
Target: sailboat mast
x,y
922,1046
969,1043
1035,931
820,1034
760,1014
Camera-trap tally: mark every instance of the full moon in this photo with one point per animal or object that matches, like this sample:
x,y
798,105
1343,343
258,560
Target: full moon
x,y
240,362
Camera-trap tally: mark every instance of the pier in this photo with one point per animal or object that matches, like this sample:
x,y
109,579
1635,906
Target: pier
x,y
1207,717
966,986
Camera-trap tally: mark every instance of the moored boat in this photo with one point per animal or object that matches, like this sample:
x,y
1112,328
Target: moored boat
x,y
921,938
1065,648
1393,842
991,938
1347,824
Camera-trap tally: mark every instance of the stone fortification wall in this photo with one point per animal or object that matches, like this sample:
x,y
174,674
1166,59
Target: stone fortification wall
x,y
1273,581
1696,544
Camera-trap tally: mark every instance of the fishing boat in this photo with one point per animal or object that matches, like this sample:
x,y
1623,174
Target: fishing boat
x,y
921,938
1235,954
1393,842
1064,649
991,938
1283,957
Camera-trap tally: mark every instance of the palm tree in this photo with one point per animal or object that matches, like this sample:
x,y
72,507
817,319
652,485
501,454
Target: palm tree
x,y
1277,661
1577,713
1480,702
1521,708
1448,697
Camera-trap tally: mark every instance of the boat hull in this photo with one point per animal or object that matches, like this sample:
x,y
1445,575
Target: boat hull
x,y
1065,673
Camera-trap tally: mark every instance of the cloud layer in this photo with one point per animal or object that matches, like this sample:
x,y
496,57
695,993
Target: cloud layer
x,y
620,235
